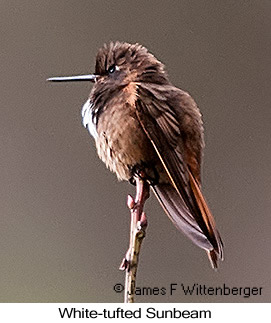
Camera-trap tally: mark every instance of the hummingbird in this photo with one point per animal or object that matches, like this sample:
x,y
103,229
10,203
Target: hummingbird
x,y
141,122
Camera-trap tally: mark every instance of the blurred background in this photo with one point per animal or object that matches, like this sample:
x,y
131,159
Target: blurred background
x,y
64,224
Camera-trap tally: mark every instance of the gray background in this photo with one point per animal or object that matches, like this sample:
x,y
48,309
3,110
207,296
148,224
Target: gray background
x,y
64,223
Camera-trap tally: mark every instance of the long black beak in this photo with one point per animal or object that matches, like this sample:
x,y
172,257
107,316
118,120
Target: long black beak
x,y
89,78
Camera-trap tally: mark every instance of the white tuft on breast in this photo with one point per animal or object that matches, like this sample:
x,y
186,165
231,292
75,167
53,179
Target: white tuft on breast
x,y
88,121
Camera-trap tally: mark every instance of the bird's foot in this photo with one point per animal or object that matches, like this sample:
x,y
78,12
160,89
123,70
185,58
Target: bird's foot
x,y
144,172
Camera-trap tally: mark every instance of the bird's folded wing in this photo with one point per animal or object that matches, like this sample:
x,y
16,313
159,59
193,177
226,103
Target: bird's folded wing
x,y
160,123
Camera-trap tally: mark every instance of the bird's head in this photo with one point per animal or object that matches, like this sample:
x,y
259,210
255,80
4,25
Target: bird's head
x,y
119,63
123,62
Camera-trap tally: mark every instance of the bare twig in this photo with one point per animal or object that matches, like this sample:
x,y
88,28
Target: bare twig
x,y
137,234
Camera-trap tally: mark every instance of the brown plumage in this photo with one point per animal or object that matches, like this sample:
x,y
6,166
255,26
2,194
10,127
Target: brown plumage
x,y
141,121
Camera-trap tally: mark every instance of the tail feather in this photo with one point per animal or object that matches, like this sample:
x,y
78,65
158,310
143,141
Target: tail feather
x,y
207,217
187,223
213,257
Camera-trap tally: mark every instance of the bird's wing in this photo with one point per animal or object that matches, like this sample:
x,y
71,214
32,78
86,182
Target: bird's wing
x,y
183,200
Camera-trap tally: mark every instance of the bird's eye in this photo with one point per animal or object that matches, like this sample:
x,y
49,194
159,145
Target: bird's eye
x,y
112,69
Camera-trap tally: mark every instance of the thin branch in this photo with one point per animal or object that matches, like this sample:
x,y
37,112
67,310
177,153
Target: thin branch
x,y
137,234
